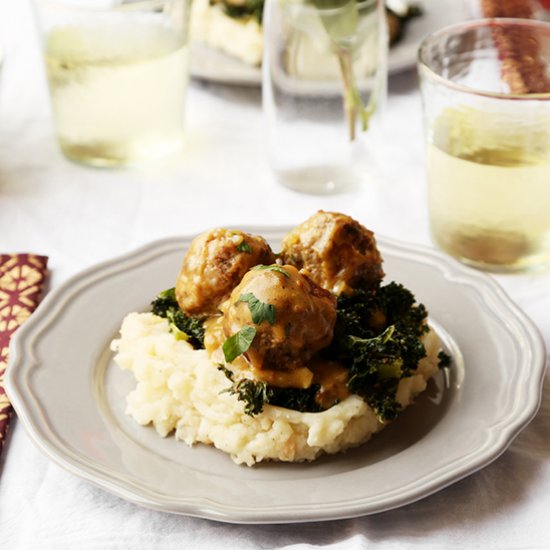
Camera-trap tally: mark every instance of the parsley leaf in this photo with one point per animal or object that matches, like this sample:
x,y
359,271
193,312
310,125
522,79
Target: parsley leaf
x,y
238,343
276,268
244,247
259,310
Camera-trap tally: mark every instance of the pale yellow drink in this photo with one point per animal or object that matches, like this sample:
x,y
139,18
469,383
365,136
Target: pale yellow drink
x,y
489,190
117,91
485,88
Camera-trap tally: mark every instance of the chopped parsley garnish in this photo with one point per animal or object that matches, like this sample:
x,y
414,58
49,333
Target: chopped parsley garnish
x,y
259,310
182,326
274,267
238,343
244,247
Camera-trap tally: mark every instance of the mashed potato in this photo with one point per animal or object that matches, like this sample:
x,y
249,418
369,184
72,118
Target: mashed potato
x,y
180,390
241,38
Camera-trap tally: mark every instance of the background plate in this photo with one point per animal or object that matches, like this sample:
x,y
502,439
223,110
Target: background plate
x,y
215,66
69,395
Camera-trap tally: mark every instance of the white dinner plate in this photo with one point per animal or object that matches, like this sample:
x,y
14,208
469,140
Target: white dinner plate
x,y
70,396
215,66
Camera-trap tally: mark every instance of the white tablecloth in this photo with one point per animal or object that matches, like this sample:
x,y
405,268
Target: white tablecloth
x,y
79,216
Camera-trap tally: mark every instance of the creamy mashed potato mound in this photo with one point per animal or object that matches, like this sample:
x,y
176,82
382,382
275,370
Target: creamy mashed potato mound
x,y
181,390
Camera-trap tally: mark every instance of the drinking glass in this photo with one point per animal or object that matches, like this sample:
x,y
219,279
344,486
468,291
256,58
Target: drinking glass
x,y
486,98
117,73
324,83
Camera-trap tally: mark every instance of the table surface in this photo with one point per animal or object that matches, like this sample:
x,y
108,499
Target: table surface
x,y
79,216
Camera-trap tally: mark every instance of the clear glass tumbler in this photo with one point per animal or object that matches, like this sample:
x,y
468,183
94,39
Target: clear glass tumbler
x,y
324,82
117,73
486,99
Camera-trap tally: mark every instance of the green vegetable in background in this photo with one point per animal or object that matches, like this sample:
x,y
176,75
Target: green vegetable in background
x,y
242,10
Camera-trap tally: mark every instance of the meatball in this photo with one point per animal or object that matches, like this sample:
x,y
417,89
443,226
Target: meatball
x,y
301,321
336,251
214,264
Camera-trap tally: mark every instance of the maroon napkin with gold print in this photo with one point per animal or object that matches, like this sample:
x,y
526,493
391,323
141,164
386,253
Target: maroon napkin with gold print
x,y
21,284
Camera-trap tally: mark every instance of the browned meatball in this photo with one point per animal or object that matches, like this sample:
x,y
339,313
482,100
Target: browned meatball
x,y
336,251
214,264
302,321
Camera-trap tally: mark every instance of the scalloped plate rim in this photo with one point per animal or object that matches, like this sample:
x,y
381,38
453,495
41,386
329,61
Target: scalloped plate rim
x,y
447,267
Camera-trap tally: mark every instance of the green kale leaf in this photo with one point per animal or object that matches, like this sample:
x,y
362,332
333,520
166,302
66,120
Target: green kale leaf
x,y
444,359
182,326
255,394
377,337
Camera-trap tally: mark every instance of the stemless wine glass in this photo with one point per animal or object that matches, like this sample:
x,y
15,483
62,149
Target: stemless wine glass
x,y
324,83
117,73
486,96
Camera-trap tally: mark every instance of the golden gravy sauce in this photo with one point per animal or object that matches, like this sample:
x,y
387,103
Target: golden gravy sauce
x,y
331,376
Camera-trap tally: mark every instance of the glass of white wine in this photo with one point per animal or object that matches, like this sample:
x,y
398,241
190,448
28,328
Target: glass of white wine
x,y
486,100
117,72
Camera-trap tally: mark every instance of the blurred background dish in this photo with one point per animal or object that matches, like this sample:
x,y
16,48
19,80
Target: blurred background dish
x,y
212,64
524,9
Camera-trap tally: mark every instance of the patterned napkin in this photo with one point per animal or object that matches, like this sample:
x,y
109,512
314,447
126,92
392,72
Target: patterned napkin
x,y
21,283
